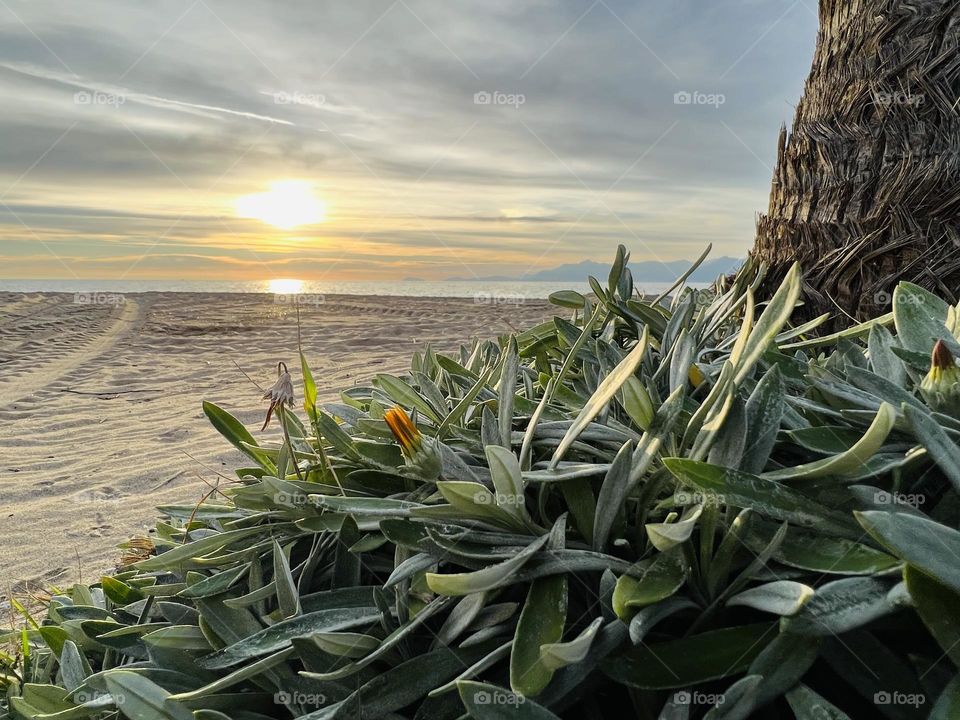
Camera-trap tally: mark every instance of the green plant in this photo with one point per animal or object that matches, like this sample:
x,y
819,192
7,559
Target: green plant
x,y
686,507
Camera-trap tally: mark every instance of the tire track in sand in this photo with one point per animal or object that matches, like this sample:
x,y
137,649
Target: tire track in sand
x,y
13,389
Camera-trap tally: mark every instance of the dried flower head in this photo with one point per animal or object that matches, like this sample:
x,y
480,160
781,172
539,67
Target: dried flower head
x,y
280,393
136,549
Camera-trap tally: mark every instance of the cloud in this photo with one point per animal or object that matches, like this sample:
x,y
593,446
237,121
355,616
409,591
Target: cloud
x,y
376,104
116,95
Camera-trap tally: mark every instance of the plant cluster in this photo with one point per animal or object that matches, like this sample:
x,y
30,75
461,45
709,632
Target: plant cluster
x,y
672,507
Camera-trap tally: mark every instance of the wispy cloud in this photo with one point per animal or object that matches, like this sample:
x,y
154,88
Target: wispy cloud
x,y
445,139
120,94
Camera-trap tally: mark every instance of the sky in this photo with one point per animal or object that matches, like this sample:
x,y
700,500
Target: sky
x,y
386,139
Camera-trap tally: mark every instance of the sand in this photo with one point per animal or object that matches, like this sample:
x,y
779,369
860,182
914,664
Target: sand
x,y
100,402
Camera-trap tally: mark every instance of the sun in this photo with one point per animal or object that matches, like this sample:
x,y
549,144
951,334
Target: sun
x,y
286,205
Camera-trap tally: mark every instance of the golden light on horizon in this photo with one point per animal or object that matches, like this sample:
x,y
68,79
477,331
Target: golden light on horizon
x,y
285,286
286,205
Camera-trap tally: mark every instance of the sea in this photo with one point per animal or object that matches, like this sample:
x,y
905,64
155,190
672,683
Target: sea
x,y
488,290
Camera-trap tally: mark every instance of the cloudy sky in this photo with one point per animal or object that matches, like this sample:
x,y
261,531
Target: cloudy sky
x,y
382,139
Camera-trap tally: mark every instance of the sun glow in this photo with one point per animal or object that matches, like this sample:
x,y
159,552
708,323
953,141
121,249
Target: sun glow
x,y
288,204
285,286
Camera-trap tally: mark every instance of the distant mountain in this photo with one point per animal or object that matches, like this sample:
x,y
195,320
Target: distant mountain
x,y
651,271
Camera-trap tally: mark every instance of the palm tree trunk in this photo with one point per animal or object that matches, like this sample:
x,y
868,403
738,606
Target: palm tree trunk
x,y
866,191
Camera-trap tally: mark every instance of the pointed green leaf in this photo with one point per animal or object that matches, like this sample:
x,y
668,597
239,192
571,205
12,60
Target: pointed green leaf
x,y
660,580
770,323
927,545
782,597
851,460
604,393
288,597
691,660
488,578
763,496
141,699
939,608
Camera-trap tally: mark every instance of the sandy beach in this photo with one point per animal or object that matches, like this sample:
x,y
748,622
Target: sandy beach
x,y
100,401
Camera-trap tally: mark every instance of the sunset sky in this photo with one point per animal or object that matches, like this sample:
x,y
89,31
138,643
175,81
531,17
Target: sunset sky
x,y
245,139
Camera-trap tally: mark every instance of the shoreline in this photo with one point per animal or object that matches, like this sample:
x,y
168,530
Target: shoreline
x,y
4,295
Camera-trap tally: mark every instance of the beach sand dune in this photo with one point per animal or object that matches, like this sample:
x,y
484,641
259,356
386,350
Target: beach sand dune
x,y
100,402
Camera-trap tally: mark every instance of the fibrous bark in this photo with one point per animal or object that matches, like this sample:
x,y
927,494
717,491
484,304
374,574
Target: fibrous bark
x,y
866,191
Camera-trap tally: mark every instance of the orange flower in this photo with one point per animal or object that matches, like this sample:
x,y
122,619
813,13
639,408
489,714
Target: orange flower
x,y
404,430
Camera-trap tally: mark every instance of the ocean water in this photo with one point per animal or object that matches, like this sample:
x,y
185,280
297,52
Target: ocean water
x,y
480,290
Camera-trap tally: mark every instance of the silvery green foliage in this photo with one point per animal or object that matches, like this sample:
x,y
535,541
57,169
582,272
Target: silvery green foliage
x,y
684,504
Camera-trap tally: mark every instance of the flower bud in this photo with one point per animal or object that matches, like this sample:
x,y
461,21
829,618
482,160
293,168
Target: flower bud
x,y
419,452
941,386
695,376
